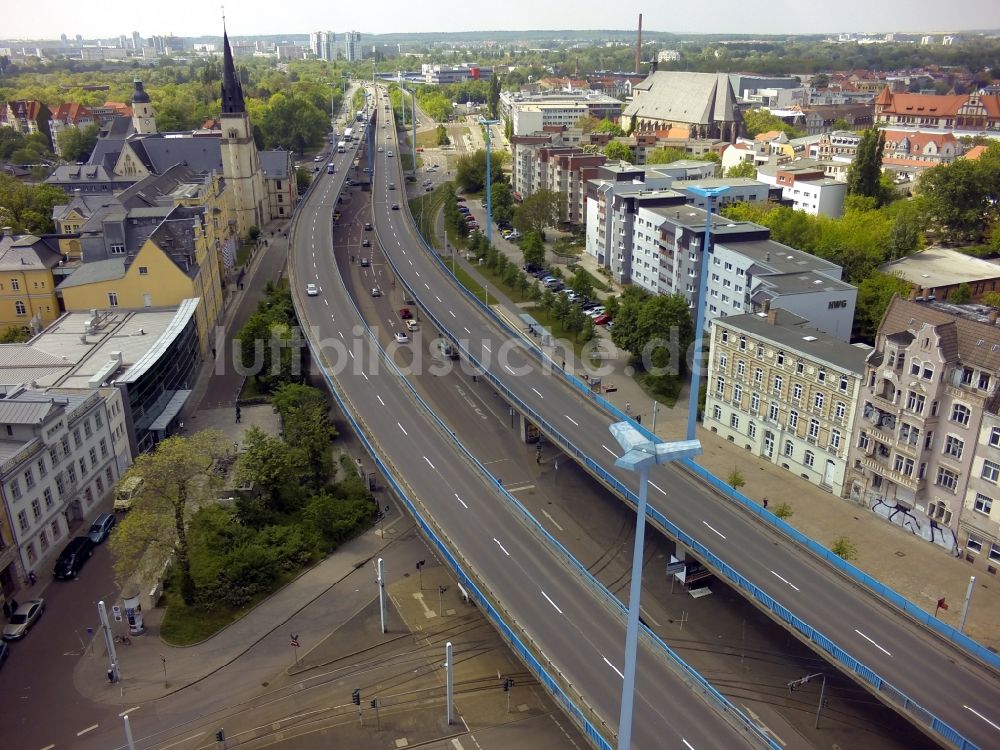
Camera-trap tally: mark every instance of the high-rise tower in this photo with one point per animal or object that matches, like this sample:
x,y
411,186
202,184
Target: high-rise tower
x,y
143,117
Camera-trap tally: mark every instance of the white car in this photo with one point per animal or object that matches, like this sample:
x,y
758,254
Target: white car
x,y
402,338
312,290
22,620
595,312
412,325
389,153
376,292
380,149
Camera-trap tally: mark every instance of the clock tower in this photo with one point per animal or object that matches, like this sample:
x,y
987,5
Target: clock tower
x,y
143,117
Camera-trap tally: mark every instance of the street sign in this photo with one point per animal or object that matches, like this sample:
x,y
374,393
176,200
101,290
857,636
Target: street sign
x,y
117,611
673,568
295,640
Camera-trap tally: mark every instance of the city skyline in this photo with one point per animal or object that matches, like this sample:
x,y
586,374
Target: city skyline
x,y
186,18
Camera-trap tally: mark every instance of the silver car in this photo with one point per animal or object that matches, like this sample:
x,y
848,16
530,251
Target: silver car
x,y
22,620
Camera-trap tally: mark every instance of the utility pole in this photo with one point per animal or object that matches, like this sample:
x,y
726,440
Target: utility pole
x,y
114,674
129,742
381,592
968,601
449,679
822,690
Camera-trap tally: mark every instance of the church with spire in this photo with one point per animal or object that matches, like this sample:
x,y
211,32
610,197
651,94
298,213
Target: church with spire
x,y
261,185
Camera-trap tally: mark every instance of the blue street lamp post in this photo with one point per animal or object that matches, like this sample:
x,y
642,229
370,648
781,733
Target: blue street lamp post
x,y
489,181
701,301
640,453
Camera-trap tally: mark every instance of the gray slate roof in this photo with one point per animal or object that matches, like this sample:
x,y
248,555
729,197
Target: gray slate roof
x,y
701,98
95,271
274,164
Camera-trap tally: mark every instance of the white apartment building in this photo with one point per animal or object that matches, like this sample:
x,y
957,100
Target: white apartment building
x,y
58,464
979,525
807,187
530,113
323,44
352,46
786,392
923,452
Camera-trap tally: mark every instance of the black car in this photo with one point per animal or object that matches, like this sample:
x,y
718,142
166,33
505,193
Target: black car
x,y
532,268
73,557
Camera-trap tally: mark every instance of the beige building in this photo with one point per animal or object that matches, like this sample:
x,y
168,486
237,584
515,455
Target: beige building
x,y
927,385
979,526
786,392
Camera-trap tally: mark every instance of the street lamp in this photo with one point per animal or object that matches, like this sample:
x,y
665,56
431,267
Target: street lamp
x,y
700,301
489,181
640,454
822,690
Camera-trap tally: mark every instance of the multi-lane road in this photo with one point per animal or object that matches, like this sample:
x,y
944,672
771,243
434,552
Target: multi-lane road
x,y
937,675
567,623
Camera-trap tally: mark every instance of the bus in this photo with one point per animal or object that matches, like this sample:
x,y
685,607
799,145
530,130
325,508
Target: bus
x,y
348,135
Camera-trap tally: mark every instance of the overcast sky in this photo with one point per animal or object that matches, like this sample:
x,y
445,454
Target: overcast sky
x,y
52,18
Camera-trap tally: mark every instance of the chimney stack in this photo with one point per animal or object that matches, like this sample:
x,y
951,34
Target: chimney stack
x,y
638,46
772,313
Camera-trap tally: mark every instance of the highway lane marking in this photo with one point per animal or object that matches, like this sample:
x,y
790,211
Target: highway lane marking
x,y
417,273
551,602
48,747
401,427
467,330
689,745
608,450
785,580
437,298
571,419
380,399
872,642
341,334
427,286
326,302
487,348
554,522
501,546
461,501
352,354
714,529
429,463
970,708
411,262
655,486
84,731
520,488
648,616
538,392
181,742
364,375
452,314
128,711
507,367
617,671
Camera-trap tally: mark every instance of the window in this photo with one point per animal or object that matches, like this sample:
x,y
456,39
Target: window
x,y
43,540
77,441
723,361
99,420
754,403
19,308
991,471
737,393
994,553
83,467
809,459
22,520
724,335
60,484
821,375
758,376
65,445
840,410
87,429
15,285
116,249
104,448
71,473
834,439
720,386
741,371
752,430
778,383
914,402
54,455
772,412
793,419
143,270
15,488
843,384
796,391
947,478
760,351
780,358
36,509
56,532
974,545
734,421
983,504
789,448
112,299
960,414
953,446
818,400
814,428
743,343
914,368
93,457
863,441
717,412
48,498
799,368
41,466
111,477
995,437
29,478
928,373
100,486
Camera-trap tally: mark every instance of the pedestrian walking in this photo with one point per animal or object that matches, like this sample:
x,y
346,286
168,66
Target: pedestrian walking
x,y
239,415
628,408
765,503
32,578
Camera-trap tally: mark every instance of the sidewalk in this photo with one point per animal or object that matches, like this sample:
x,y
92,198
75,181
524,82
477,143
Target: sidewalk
x,y
915,569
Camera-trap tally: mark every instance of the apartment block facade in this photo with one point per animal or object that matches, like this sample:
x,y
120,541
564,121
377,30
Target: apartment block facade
x,y
922,450
785,392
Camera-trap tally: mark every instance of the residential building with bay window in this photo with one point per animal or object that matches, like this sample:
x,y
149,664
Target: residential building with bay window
x,y
785,391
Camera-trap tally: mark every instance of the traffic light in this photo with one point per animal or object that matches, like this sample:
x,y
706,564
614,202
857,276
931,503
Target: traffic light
x,y
356,697
220,736
374,703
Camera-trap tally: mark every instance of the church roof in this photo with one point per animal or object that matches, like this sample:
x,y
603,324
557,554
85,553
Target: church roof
x,y
159,152
274,164
232,91
139,95
696,98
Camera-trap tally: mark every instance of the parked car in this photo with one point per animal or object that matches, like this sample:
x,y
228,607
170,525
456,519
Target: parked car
x,y
402,338
312,290
73,557
23,619
589,305
460,199
404,313
514,236
376,292
127,490
595,311
532,268
473,225
101,527
602,319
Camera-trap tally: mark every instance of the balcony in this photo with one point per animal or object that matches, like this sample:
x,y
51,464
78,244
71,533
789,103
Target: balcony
x,y
964,392
902,480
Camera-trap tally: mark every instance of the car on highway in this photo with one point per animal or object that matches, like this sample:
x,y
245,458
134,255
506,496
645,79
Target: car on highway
x,y
312,290
365,262
602,319
412,325
101,527
402,338
368,226
392,185
376,292
73,557
395,206
366,242
388,153
404,313
380,149
23,619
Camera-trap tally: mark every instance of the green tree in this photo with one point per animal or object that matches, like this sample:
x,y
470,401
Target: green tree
x,y
441,135
15,335
582,283
178,479
302,179
305,421
863,176
533,249
539,210
608,126
844,548
293,122
743,169
470,171
28,208
665,155
75,144
494,96
618,151
502,197
874,295
958,199
757,121
735,479
274,467
961,296
992,299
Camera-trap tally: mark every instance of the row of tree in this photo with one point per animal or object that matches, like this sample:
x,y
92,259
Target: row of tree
x,y
270,346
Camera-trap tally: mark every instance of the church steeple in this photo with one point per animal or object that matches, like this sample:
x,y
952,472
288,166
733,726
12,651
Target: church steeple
x,y
232,91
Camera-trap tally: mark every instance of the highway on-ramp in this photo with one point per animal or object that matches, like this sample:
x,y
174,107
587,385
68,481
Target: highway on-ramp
x,y
569,624
936,674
